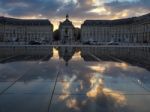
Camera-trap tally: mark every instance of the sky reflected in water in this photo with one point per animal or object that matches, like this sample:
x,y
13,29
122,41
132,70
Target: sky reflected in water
x,y
78,86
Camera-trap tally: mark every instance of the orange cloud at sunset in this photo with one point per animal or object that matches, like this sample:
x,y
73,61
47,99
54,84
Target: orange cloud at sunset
x,y
79,10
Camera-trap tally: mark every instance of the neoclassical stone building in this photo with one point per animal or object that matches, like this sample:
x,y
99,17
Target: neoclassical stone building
x,y
67,31
130,30
25,30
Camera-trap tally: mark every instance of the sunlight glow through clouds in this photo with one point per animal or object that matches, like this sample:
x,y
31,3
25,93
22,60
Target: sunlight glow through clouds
x,y
79,10
100,11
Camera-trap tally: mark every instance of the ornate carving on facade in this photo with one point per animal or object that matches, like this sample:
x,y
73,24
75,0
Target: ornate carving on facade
x,y
66,30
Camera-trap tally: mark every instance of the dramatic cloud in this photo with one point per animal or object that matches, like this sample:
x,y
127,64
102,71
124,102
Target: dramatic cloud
x,y
79,10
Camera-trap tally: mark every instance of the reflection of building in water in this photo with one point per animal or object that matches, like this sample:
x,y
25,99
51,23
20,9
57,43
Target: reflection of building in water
x,y
121,52
66,53
134,55
35,51
67,31
25,31
130,30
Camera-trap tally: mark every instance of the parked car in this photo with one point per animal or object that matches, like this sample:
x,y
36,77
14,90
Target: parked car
x,y
86,43
34,43
113,43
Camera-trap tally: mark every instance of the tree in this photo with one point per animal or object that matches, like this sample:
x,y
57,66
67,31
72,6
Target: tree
x,y
56,35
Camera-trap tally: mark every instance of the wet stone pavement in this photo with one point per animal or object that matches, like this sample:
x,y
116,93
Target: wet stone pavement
x,y
75,86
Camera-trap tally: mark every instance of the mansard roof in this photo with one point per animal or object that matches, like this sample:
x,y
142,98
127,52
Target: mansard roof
x,y
125,21
32,22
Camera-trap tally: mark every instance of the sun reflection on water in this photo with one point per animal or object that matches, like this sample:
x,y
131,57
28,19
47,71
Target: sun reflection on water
x,y
96,85
97,68
66,85
96,92
72,103
77,56
122,65
93,88
55,54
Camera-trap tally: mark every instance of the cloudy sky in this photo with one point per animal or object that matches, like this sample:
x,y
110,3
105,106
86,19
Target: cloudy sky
x,y
79,10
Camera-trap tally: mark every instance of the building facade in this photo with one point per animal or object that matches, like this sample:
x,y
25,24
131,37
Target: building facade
x,y
67,31
130,30
25,31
